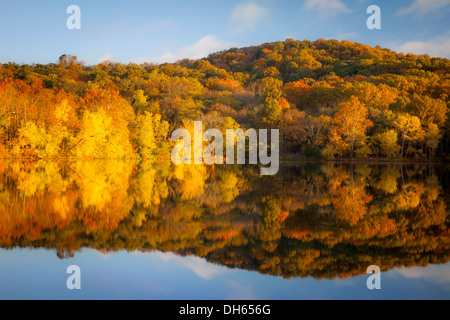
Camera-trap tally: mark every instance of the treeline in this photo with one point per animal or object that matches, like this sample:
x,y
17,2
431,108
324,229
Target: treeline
x,y
321,221
329,99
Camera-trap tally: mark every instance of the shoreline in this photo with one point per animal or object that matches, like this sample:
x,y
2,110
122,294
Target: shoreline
x,y
290,161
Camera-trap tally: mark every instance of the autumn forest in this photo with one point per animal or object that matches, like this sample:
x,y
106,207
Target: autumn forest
x,y
330,99
364,145
318,220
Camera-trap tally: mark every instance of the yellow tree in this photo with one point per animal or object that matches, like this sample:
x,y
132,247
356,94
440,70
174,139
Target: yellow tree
x,y
272,111
151,132
429,110
140,100
65,127
410,129
34,141
269,87
387,143
432,138
101,138
351,122
104,129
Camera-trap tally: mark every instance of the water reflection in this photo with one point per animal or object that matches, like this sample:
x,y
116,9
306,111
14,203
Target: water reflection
x,y
321,220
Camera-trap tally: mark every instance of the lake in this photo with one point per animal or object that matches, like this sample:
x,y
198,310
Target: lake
x,y
159,231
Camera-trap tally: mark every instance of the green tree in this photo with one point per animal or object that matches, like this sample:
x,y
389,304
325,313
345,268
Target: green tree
x,y
272,111
151,135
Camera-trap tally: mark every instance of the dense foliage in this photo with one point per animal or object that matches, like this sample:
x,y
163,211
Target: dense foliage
x,y
324,221
330,99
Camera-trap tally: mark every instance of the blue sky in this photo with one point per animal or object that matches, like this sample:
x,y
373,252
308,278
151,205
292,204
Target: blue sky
x,y
39,274
165,31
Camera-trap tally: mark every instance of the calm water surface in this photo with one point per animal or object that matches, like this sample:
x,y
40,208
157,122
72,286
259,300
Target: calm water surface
x,y
155,231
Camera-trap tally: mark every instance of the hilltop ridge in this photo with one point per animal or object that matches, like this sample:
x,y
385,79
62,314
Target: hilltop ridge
x,y
330,99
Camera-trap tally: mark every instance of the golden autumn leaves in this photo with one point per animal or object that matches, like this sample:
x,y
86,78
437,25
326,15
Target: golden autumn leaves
x,y
329,99
48,125
316,221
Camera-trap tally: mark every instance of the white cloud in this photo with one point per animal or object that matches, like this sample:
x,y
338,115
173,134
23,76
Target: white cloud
x,y
247,16
439,274
198,50
327,7
199,266
423,6
436,47
106,57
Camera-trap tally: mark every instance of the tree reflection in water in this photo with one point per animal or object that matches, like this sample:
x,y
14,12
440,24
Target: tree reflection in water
x,y
319,220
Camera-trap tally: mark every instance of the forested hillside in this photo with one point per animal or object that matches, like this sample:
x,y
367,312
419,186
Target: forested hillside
x,y
330,99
